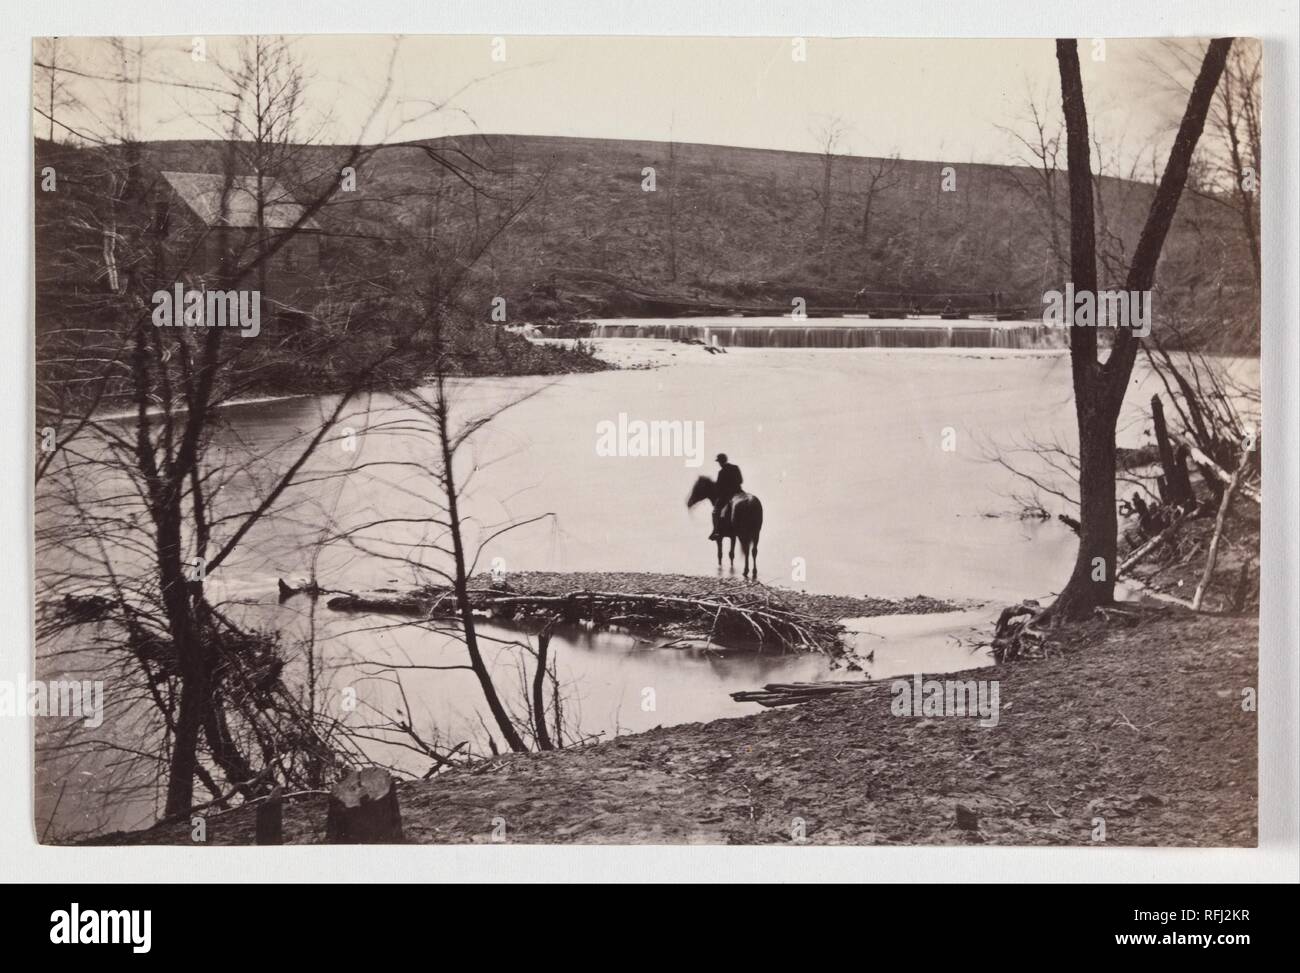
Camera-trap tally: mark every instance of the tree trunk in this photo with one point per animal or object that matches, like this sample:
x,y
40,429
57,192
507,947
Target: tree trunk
x,y
1092,582
463,603
1099,388
539,685
827,161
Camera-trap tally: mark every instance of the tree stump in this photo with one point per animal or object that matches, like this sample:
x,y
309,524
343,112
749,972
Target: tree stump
x,y
363,809
1175,485
270,819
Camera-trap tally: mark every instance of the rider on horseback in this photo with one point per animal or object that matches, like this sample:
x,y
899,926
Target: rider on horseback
x,y
729,481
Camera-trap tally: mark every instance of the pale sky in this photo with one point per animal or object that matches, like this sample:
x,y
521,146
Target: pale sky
x,y
926,99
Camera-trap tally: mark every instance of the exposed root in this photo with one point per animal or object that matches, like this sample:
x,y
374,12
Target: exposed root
x,y
1019,633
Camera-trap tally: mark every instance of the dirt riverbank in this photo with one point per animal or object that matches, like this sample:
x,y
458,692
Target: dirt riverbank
x,y
1137,721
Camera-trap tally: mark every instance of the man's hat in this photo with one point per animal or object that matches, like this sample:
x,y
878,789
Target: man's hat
x,y
722,457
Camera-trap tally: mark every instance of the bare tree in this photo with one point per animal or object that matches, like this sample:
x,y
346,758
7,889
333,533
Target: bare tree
x,y
670,196
51,83
1039,140
439,294
1099,387
1227,168
177,536
829,135
881,177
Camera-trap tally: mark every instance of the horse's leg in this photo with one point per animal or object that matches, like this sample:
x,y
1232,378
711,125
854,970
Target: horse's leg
x,y
733,554
719,554
755,545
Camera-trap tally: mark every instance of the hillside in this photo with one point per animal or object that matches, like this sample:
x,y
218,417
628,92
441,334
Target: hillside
x,y
564,227
745,225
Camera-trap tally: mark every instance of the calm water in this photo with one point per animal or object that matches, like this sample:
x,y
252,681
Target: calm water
x,y
846,450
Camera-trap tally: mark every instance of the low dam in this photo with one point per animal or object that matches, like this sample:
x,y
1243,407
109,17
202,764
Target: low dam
x,y
836,333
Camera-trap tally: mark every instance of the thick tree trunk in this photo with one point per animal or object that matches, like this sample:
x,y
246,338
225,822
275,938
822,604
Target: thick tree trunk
x,y
1092,582
184,756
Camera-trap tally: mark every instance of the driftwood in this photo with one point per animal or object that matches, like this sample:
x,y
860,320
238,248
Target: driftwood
x,y
1219,523
792,693
1145,551
1151,592
755,616
1219,472
363,809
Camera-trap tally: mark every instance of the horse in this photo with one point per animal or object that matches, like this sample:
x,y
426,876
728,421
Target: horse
x,y
741,519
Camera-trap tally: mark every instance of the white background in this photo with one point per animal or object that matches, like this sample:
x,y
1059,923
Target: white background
x,y
1277,859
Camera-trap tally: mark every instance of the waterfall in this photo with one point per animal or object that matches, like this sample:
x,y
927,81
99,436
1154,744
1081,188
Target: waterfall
x,y
854,333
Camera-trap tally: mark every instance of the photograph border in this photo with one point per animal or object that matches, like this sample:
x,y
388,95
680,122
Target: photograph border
x,y
1278,856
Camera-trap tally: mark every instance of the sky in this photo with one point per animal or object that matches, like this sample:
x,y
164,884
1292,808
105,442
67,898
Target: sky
x,y
943,100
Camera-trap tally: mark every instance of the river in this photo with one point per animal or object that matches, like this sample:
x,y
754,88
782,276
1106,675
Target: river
x,y
875,468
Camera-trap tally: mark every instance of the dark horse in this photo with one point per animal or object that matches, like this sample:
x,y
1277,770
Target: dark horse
x,y
741,520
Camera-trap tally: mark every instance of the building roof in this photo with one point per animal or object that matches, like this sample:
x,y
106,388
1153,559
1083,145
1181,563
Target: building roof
x,y
203,191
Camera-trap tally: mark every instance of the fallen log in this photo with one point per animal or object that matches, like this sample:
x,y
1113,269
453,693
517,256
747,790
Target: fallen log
x,y
791,694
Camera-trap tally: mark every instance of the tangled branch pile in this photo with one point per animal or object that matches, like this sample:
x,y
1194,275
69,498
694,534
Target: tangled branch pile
x,y
749,615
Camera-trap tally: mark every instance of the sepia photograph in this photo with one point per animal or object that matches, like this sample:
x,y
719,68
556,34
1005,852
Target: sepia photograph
x,y
646,440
